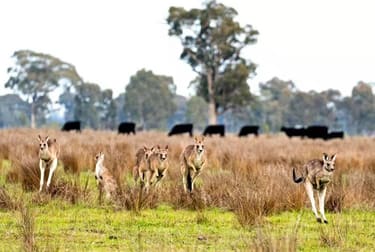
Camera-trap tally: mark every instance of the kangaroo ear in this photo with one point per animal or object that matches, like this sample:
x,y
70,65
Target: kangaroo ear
x,y
47,138
144,148
196,139
333,158
325,156
39,138
158,146
166,147
202,138
152,148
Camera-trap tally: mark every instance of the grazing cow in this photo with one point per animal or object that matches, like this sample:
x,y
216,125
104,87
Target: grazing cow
x,y
181,129
294,132
72,125
126,128
317,131
249,129
214,129
335,134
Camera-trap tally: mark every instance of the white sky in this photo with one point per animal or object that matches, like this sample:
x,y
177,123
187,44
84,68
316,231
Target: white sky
x,y
317,44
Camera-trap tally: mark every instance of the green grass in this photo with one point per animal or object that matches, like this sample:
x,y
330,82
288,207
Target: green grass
x,y
351,230
62,226
87,226
79,228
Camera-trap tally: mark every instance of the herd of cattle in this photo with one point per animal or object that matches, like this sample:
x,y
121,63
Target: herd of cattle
x,y
314,131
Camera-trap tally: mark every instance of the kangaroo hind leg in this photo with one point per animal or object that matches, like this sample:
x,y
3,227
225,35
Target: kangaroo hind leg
x,y
52,169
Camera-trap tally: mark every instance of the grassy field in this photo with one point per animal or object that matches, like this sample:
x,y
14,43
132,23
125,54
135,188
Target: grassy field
x,y
245,201
62,226
83,228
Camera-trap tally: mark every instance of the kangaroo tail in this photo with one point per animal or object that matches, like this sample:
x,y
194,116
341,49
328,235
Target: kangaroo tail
x,y
295,179
189,182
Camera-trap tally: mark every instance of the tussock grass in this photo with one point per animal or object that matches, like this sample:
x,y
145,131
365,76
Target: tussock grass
x,y
6,201
249,176
27,229
334,236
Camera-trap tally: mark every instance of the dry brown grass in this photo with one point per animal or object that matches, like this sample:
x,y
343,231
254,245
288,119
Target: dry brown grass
x,y
6,201
250,176
27,229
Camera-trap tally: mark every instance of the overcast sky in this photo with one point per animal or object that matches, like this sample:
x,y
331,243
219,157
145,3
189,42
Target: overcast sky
x,y
318,44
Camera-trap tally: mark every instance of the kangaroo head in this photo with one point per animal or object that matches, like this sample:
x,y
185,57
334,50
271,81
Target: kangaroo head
x,y
148,151
199,144
329,162
43,143
162,153
99,157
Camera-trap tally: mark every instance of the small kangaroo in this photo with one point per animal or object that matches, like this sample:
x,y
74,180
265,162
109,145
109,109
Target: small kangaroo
x,y
103,176
316,175
159,165
48,154
193,160
141,169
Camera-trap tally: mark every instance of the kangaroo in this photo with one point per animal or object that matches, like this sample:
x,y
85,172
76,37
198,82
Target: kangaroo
x,y
159,165
104,178
193,160
48,155
316,175
141,169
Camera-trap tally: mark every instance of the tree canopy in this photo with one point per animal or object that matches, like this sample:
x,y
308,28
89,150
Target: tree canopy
x,y
35,75
360,109
14,112
96,108
149,99
196,112
212,43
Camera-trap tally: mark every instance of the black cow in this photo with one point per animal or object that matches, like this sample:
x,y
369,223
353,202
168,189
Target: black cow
x,y
249,129
294,132
72,125
335,134
126,128
214,129
181,129
317,131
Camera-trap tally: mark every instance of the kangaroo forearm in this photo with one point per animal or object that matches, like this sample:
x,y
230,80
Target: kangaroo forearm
x,y
191,166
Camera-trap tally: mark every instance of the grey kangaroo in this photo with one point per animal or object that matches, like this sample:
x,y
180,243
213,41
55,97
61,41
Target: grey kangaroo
x,y
316,175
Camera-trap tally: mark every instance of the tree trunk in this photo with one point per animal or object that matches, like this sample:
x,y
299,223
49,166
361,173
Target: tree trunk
x,y
33,116
212,115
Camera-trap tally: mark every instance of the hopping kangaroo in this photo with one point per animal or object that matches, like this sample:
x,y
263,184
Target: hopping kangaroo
x,y
104,178
193,160
316,175
48,155
141,169
158,165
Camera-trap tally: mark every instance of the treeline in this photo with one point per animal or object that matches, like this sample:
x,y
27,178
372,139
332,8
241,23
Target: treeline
x,y
212,42
280,103
151,101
